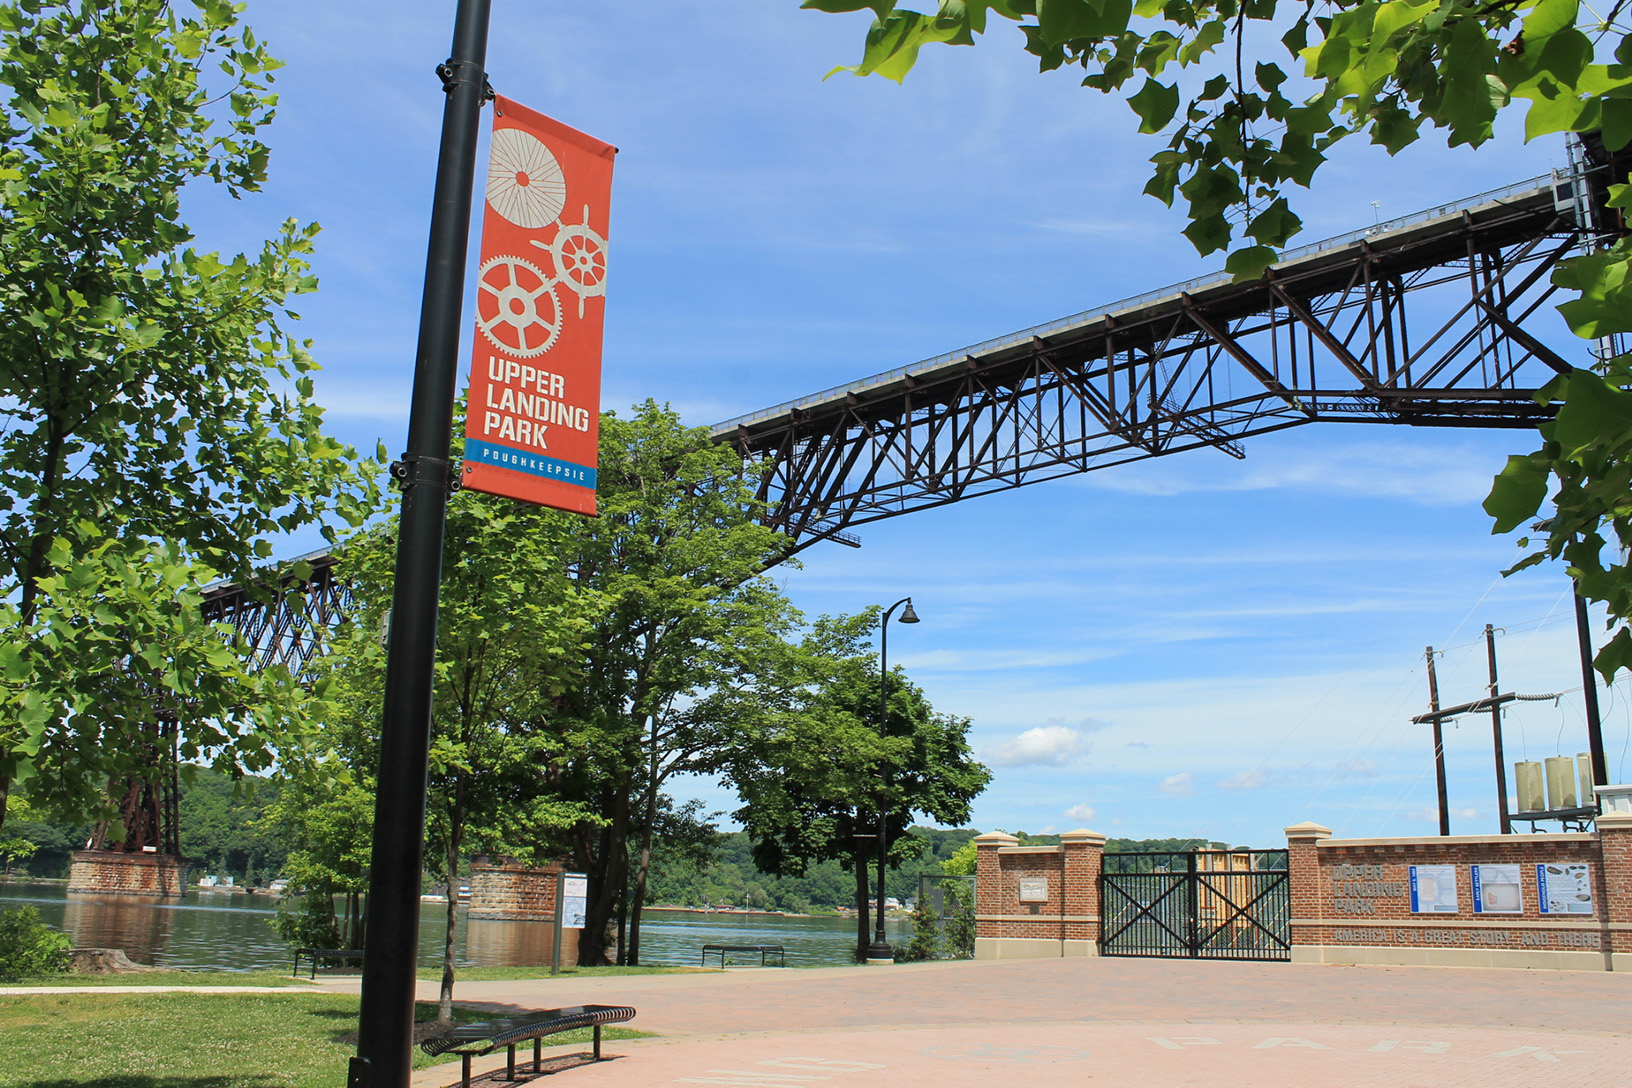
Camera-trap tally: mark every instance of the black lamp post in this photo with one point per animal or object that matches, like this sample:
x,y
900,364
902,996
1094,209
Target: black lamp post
x,y
881,950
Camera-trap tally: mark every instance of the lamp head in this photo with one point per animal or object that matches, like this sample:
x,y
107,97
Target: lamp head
x,y
907,614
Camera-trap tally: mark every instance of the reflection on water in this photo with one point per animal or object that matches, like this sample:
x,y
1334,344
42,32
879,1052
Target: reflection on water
x,y
230,932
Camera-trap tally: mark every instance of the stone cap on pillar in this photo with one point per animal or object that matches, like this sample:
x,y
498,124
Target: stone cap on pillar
x,y
1614,821
993,839
1081,837
1308,831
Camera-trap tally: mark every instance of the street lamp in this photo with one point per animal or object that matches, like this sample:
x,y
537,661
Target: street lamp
x,y
881,952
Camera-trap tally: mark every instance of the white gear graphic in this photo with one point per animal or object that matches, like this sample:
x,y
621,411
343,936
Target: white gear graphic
x,y
516,307
579,254
524,182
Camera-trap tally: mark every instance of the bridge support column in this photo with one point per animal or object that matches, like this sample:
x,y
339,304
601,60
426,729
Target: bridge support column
x,y
113,872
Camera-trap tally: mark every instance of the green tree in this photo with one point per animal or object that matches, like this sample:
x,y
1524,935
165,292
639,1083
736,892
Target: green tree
x,y
160,416
326,818
813,767
676,561
1255,117
223,824
510,638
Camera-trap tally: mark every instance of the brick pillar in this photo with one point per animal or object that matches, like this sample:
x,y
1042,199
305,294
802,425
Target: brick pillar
x,y
1084,856
1303,886
1615,844
990,898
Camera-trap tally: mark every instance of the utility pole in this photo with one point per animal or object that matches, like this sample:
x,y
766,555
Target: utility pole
x,y
1439,746
1589,689
391,952
1496,734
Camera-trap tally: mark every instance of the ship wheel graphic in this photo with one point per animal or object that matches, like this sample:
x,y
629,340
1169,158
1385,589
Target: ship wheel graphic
x,y
579,254
516,307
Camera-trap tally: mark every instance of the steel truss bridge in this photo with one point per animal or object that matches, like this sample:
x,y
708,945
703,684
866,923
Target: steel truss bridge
x,y
285,627
1323,336
1431,320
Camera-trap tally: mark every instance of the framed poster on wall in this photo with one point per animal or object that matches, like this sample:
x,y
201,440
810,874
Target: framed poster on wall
x,y
1496,889
1564,887
1433,889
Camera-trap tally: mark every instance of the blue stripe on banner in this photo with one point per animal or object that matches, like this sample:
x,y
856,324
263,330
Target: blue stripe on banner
x,y
548,468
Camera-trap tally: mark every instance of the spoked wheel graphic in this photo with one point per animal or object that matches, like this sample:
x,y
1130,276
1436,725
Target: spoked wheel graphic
x,y
516,307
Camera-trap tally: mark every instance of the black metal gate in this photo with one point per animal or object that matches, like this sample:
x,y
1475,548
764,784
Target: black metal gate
x,y
1207,904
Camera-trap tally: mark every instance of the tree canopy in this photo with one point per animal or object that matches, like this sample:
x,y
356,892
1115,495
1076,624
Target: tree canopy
x,y
1250,96
159,421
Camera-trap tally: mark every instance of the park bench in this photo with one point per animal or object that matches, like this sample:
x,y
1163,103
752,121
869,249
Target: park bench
x,y
315,954
763,950
473,1040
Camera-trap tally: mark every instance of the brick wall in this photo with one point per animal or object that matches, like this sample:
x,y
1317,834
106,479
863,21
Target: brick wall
x,y
107,872
1037,900
505,890
1351,899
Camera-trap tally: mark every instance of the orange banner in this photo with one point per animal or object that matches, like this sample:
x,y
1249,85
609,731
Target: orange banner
x,y
533,426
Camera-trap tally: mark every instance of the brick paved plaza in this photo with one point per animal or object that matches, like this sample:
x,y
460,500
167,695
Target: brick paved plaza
x,y
1112,1021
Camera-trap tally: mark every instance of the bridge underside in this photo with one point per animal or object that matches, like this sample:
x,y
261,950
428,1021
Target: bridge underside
x,y
1429,321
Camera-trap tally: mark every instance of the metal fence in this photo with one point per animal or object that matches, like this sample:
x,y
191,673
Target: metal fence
x,y
1203,904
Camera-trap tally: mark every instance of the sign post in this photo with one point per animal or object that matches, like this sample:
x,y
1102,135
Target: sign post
x,y
386,1020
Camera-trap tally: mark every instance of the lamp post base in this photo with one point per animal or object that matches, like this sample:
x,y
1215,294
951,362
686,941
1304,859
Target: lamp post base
x,y
880,955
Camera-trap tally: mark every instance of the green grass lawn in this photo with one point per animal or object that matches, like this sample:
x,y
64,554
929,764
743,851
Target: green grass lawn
x,y
94,1040
168,978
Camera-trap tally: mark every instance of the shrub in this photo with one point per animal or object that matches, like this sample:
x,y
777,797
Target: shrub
x,y
926,933
311,925
28,947
960,919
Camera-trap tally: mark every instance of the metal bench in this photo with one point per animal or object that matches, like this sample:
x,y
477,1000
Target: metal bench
x,y
763,950
473,1040
315,954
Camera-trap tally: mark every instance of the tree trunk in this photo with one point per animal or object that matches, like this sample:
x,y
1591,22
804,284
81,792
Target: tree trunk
x,y
444,1013
609,872
645,865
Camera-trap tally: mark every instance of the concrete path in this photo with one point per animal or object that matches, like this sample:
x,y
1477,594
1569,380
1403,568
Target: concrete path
x,y
1132,1022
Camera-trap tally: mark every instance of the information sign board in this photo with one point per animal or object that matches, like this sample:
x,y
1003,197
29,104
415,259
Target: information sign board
x,y
1496,890
1433,889
1564,887
574,900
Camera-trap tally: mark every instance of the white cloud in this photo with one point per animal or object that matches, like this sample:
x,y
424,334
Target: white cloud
x,y
1177,784
1244,780
1365,768
1048,830
1079,812
1047,745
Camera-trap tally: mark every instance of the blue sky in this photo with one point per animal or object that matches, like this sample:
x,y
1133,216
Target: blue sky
x,y
1192,646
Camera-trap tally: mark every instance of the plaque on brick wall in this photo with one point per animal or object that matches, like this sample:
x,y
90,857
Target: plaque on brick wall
x,y
1033,889
1433,889
1564,888
1496,889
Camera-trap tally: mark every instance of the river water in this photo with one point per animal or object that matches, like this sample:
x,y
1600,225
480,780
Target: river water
x,y
231,932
